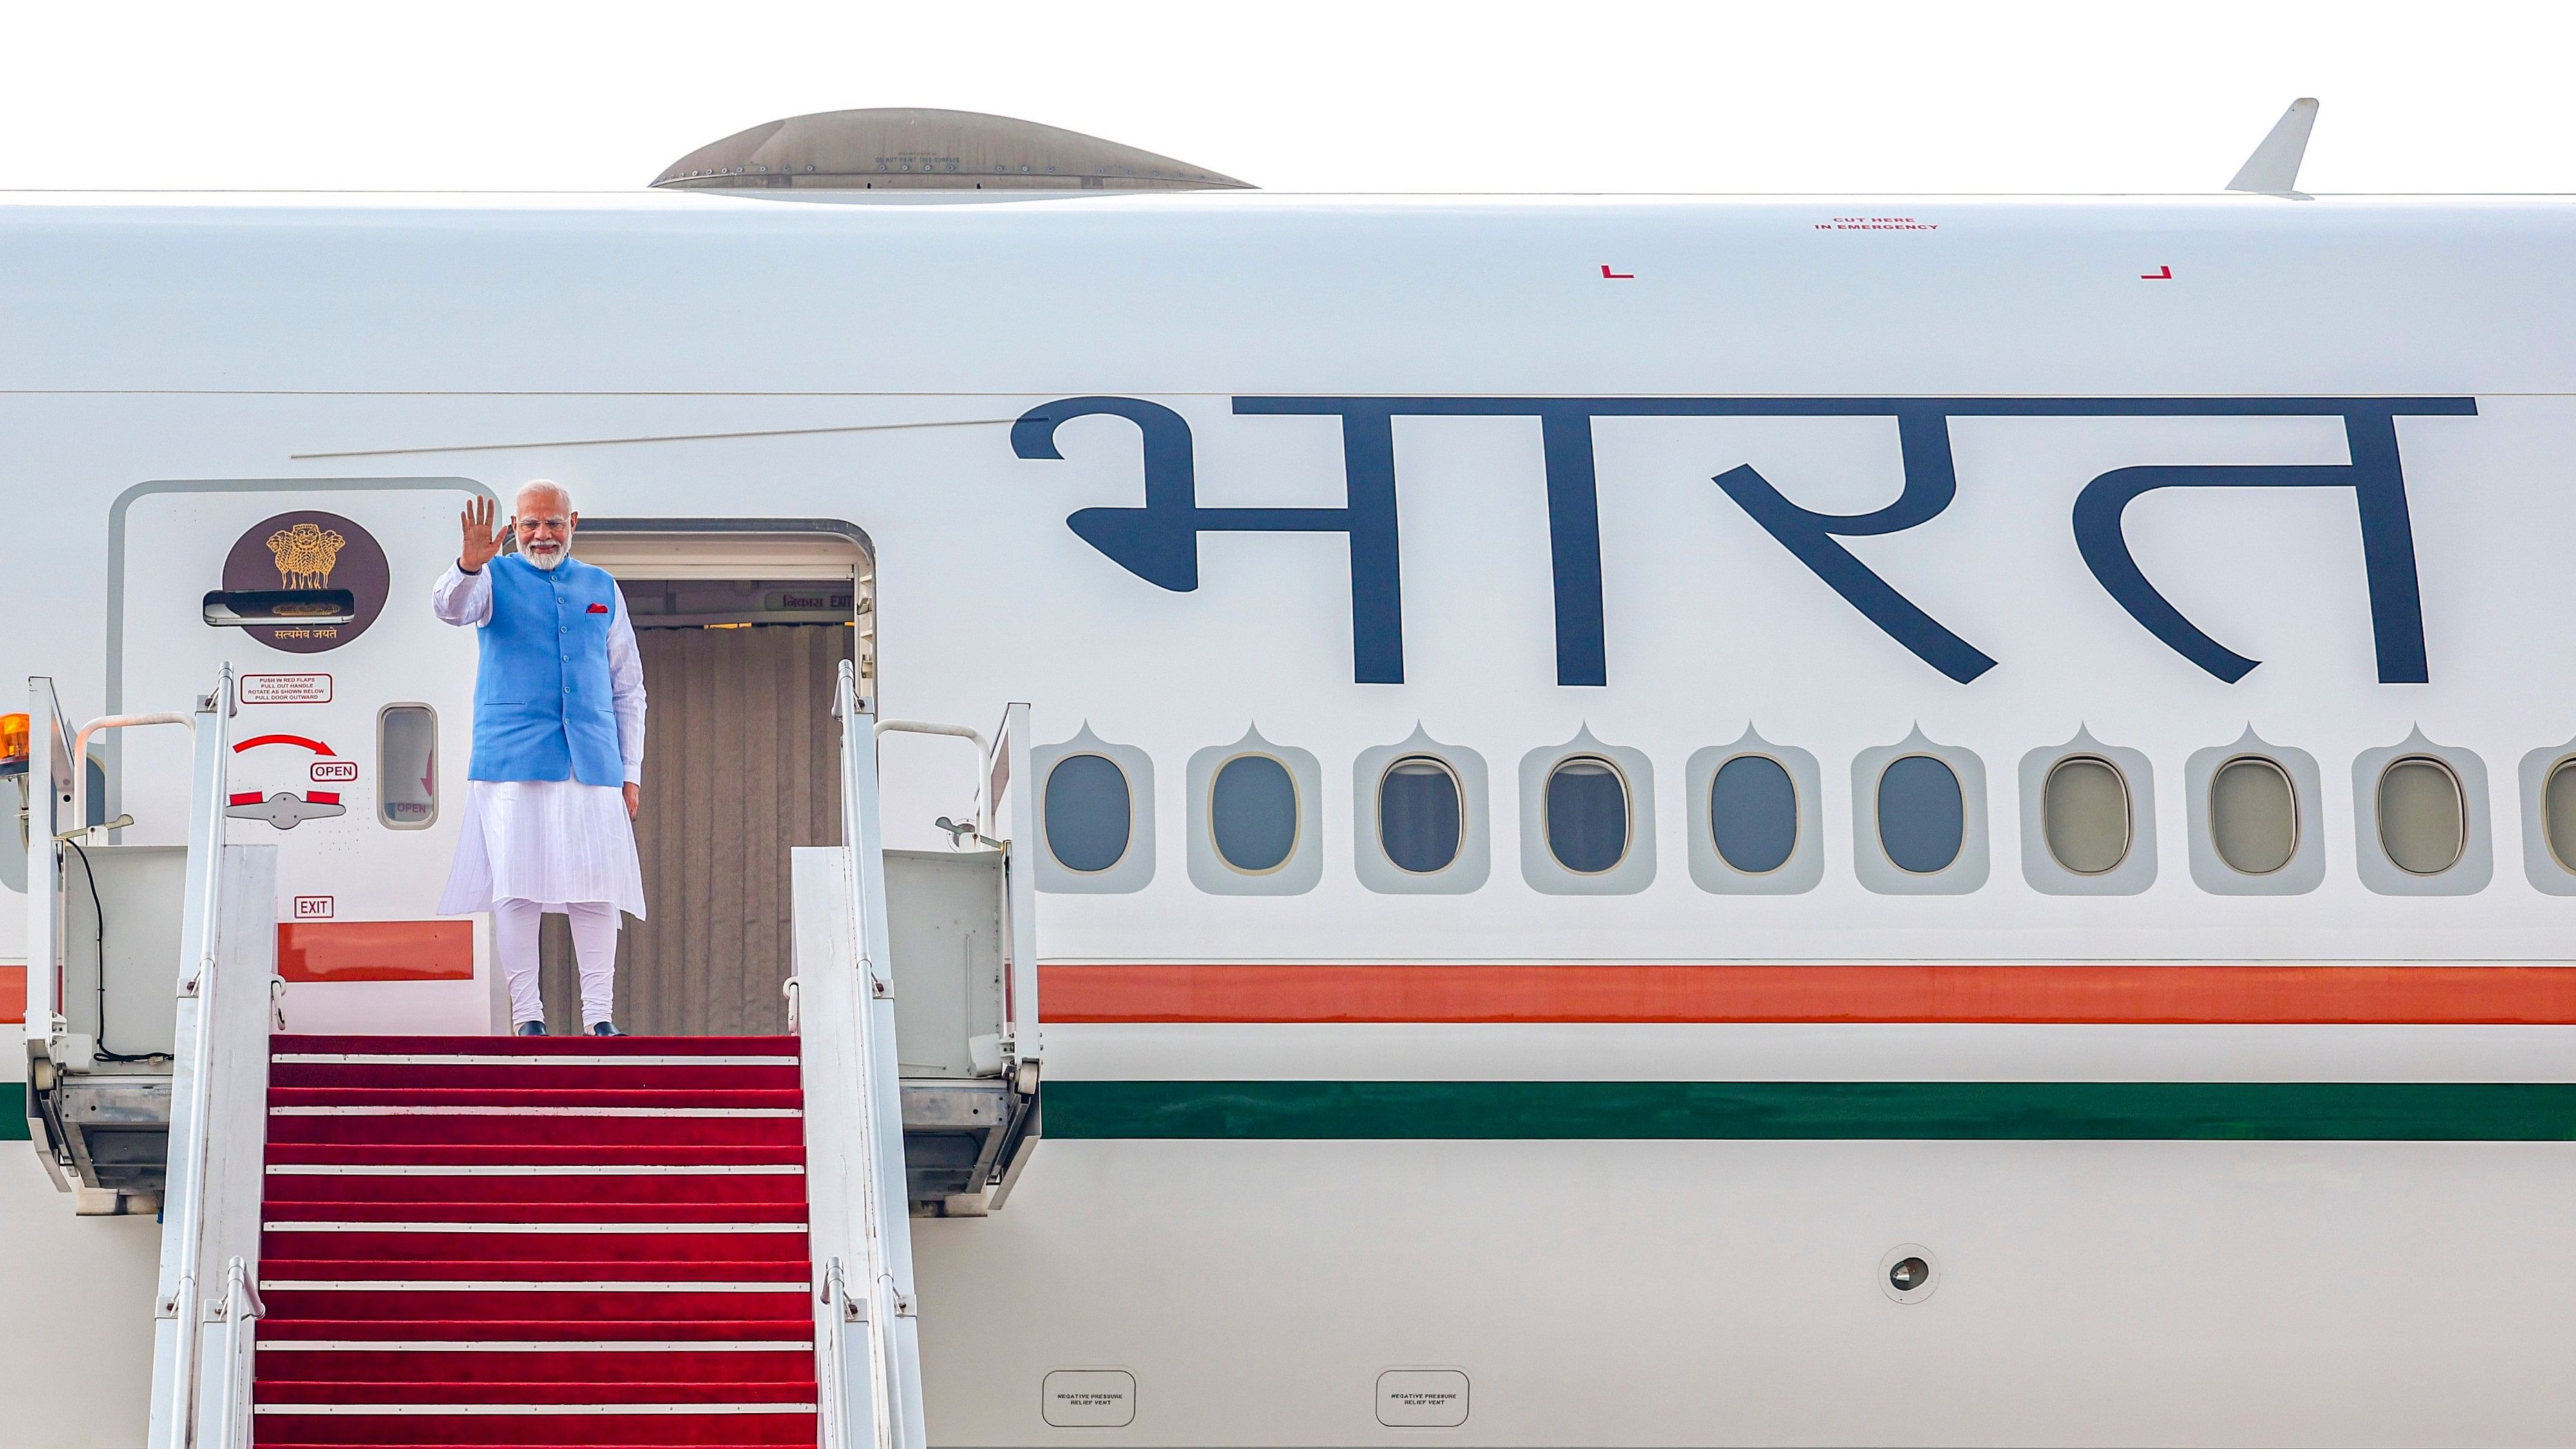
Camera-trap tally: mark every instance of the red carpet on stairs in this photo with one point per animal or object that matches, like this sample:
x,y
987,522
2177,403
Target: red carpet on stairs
x,y
557,1241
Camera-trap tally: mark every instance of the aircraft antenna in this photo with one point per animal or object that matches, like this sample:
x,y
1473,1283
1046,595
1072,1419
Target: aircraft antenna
x,y
2273,169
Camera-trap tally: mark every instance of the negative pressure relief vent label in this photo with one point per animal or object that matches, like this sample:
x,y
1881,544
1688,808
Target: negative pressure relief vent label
x,y
1090,1398
1422,1398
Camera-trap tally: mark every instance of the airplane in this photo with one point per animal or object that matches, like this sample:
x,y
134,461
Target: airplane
x,y
1306,820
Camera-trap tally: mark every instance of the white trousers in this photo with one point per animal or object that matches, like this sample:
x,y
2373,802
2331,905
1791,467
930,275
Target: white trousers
x,y
594,944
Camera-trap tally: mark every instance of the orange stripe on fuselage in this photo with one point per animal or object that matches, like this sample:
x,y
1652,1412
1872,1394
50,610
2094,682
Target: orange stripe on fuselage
x,y
2133,994
13,994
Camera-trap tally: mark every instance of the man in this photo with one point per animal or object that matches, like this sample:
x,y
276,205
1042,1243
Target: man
x,y
558,749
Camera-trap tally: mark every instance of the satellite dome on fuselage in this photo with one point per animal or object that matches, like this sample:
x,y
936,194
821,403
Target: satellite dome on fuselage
x,y
912,149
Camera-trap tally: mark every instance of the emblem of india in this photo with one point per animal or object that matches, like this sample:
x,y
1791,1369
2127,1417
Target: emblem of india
x,y
305,555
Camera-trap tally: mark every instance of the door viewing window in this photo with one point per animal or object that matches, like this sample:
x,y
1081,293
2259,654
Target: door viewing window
x,y
407,766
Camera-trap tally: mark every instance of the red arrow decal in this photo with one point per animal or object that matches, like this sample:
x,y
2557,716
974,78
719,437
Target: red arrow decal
x,y
316,746
2160,274
1617,276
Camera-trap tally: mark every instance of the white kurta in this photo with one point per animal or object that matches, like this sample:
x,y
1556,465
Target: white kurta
x,y
555,842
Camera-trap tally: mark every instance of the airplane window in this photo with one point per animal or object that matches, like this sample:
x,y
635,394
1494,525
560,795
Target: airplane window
x,y
1753,814
1587,815
1418,814
1087,813
407,766
2253,815
1922,817
1252,812
2423,819
2558,812
2084,812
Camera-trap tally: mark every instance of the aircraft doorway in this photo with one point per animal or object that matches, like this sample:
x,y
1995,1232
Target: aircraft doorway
x,y
741,635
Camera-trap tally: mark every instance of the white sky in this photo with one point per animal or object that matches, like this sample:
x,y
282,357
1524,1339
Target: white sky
x,y
2111,95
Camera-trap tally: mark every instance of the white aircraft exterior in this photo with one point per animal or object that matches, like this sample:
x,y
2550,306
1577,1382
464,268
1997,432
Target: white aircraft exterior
x,y
1628,1135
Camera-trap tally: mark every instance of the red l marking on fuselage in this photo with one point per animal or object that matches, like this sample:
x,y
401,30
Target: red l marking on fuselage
x,y
1617,276
2160,274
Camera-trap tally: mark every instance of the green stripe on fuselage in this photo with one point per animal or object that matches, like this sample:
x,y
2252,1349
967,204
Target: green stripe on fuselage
x,y
13,1111
1994,1111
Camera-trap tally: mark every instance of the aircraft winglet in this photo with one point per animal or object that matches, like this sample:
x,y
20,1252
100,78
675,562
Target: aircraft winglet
x,y
2273,169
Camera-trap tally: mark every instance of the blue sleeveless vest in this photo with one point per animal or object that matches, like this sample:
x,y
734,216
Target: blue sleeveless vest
x,y
542,705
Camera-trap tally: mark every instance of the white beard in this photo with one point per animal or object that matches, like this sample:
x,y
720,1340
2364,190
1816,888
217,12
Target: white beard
x,y
547,560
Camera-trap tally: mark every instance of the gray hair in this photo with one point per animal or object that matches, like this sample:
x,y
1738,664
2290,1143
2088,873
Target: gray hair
x,y
543,485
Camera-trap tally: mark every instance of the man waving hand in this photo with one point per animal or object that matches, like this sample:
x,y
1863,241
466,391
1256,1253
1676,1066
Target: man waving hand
x,y
558,749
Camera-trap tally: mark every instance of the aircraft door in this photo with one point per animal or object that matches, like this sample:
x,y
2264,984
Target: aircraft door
x,y
352,740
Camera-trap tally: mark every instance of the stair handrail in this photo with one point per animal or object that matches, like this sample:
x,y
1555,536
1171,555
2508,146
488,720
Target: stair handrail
x,y
237,1310
1007,780
983,749
832,1363
49,784
81,829
173,1420
892,1327
80,751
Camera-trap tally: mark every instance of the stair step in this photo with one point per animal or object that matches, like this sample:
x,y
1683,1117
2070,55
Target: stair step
x,y
479,1290
612,1072
376,1272
722,1190
628,1210
487,1430
304,1044
279,1433
491,1364
657,1128
276,1329
571,1097
565,1246
503,1310
529,1159
404,1394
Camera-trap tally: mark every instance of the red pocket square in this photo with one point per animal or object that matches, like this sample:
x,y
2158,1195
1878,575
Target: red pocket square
x,y
599,608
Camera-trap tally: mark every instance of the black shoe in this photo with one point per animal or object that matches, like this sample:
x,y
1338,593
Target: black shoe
x,y
606,1028
532,1028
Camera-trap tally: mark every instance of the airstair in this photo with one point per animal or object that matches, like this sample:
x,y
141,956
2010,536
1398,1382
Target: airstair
x,y
561,1239
388,1240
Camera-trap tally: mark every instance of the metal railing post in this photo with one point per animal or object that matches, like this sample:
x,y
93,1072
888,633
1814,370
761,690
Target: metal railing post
x,y
893,1330
1019,830
239,1310
44,860
173,1419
